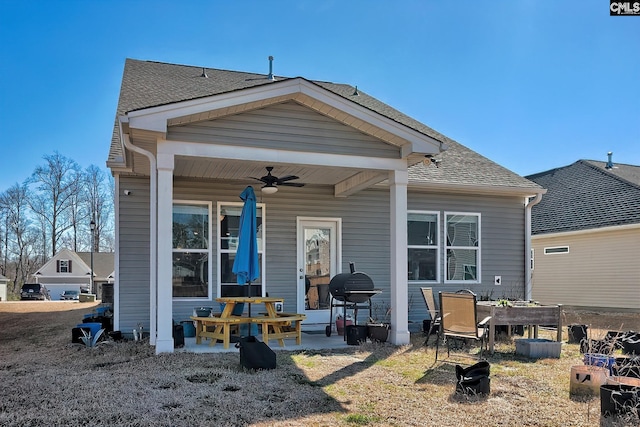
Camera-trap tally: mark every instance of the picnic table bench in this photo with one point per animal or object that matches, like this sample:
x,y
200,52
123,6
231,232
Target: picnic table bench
x,y
220,328
275,326
283,325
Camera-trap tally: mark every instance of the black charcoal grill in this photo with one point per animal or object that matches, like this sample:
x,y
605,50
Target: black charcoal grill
x,y
351,291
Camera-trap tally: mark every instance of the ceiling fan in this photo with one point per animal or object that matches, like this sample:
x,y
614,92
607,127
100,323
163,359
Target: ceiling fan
x,y
271,182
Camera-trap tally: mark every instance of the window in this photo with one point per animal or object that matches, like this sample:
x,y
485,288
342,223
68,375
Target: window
x,y
228,225
462,247
423,246
556,250
64,266
191,253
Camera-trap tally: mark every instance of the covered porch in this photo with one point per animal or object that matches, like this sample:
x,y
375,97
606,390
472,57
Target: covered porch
x,y
215,145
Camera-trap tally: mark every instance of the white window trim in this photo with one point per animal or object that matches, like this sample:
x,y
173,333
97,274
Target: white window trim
x,y
220,251
558,252
438,247
477,248
209,206
66,262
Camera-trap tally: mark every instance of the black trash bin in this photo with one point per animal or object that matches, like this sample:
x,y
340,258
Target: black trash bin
x,y
356,334
473,380
619,400
255,354
577,333
178,336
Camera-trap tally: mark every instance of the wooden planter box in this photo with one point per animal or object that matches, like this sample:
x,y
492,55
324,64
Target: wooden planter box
x,y
520,315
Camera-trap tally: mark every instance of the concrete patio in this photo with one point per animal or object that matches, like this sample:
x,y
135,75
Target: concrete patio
x,y
316,340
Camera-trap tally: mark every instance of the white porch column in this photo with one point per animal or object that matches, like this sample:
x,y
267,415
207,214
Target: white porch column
x,y
399,287
164,341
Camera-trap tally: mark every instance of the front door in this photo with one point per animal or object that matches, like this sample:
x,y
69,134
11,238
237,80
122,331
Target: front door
x,y
318,261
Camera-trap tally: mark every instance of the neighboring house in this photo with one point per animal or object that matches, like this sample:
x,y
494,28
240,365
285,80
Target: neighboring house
x,y
4,282
69,270
586,236
188,140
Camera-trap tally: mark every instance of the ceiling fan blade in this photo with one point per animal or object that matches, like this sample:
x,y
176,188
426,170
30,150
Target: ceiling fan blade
x,y
292,184
288,178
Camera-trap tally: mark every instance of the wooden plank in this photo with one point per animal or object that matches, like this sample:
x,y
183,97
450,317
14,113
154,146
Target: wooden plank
x,y
527,315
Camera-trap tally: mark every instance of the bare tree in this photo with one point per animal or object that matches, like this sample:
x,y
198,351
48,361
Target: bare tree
x,y
56,182
15,203
76,215
4,239
42,227
100,203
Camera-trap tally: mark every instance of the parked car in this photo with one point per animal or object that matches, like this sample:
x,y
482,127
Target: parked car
x,y
85,289
34,291
70,295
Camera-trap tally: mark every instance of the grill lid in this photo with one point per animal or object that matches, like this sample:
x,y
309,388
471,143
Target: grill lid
x,y
353,287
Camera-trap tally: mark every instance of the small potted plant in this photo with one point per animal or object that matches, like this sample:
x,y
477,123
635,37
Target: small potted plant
x,y
379,326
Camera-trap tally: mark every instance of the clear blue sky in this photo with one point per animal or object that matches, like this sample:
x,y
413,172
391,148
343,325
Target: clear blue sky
x,y
532,85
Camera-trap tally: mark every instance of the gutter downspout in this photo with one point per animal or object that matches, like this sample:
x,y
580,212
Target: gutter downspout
x,y
153,214
529,203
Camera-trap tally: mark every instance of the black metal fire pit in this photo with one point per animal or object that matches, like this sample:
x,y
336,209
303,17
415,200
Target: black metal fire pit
x,y
350,291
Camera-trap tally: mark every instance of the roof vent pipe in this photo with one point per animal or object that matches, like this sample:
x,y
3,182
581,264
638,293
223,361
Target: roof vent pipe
x,y
270,76
204,74
609,161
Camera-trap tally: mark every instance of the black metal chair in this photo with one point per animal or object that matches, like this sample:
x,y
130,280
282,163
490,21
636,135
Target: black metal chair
x,y
427,295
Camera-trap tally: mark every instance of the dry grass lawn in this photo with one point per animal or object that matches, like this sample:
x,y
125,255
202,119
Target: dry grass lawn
x,y
45,380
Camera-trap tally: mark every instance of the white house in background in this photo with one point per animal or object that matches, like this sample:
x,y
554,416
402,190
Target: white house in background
x,y
4,282
409,206
69,270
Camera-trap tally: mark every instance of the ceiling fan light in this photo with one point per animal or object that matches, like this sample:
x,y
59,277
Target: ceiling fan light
x,y
269,189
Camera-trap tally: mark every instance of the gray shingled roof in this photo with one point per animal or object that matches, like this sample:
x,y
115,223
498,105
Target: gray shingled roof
x,y
586,195
147,84
103,262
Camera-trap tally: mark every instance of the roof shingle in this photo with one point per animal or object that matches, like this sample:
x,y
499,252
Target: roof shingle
x,y
147,84
586,195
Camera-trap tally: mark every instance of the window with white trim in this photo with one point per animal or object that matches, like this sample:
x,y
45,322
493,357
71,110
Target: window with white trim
x,y
423,246
228,226
462,247
64,266
191,250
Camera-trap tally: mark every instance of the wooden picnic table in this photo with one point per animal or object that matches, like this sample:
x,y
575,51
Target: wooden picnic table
x,y
275,325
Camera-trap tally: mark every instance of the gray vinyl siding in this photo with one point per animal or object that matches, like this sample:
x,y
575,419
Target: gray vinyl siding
x,y
288,126
365,241
365,233
501,241
134,254
600,269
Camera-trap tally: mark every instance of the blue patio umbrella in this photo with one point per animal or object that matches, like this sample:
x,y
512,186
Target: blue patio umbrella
x,y
246,265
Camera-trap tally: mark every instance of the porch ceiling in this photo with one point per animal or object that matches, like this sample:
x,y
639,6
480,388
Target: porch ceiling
x,y
242,171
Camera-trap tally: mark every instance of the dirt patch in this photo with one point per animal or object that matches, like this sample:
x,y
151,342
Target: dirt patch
x,y
45,380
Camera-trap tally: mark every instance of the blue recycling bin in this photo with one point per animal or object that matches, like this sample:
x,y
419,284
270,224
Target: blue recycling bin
x,y
93,327
102,310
